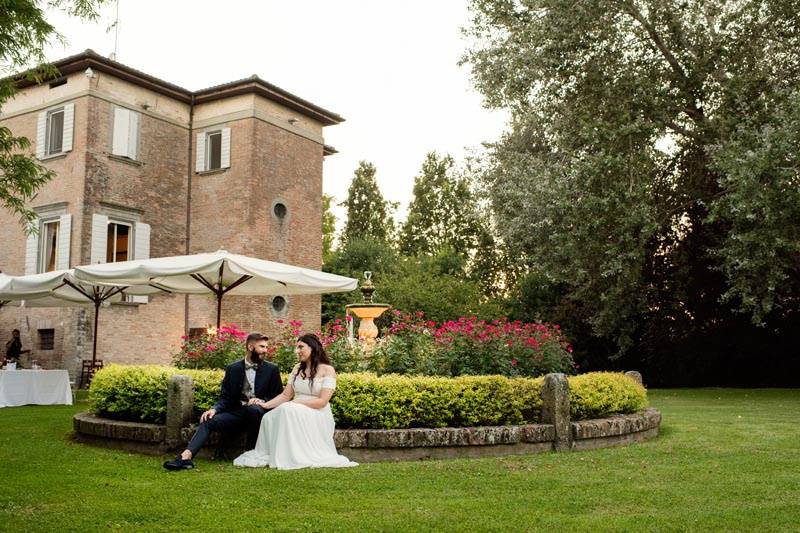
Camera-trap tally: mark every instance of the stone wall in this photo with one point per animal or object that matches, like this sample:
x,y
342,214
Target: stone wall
x,y
556,433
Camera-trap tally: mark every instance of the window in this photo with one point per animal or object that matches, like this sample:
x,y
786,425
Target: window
x,y
196,333
280,210
278,304
49,246
46,339
55,131
125,142
54,128
214,150
118,242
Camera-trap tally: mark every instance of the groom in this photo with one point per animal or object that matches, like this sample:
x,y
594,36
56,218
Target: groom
x,y
252,377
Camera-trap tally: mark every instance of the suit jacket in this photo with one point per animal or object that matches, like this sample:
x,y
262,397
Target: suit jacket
x,y
267,385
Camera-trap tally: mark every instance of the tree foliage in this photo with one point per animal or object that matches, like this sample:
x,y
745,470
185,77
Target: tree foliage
x,y
369,215
328,227
442,213
24,32
651,162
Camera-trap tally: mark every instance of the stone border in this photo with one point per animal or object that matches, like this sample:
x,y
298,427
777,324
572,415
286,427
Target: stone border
x,y
368,445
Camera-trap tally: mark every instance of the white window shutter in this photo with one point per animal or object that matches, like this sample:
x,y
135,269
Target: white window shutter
x,y
141,250
200,160
69,121
119,144
225,160
64,232
32,251
99,239
41,130
133,134
142,242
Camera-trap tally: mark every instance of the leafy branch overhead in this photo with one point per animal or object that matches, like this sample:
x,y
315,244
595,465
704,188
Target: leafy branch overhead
x,y
24,33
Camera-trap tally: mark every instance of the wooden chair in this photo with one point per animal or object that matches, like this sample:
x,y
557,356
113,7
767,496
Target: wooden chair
x,y
87,372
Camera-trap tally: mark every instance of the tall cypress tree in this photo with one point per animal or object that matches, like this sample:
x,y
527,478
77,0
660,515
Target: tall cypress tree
x,y
443,213
369,215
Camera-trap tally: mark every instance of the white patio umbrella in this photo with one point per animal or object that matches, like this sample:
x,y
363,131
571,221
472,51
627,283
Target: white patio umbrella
x,y
218,273
60,288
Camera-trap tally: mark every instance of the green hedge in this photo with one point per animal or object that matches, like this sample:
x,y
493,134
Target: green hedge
x,y
599,394
392,401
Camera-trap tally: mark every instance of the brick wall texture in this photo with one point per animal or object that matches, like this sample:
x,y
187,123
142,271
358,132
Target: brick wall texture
x,y
233,209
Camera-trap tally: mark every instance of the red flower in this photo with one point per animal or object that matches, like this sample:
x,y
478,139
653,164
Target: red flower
x,y
513,362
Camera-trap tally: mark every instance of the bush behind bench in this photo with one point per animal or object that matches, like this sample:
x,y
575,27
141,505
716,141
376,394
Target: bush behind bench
x,y
367,401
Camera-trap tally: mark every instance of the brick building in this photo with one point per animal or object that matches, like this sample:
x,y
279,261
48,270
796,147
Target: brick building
x,y
148,169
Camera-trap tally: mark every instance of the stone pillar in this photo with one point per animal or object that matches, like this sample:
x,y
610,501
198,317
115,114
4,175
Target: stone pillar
x,y
555,409
635,376
180,406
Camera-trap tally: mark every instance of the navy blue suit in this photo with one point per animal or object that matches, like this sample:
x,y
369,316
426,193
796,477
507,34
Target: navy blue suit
x,y
232,416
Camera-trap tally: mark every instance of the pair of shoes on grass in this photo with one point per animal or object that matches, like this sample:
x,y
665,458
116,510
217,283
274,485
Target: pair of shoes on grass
x,y
179,464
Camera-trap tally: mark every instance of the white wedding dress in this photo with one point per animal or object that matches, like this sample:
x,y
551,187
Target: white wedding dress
x,y
297,436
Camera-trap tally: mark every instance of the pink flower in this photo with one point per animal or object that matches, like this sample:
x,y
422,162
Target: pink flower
x,y
184,337
348,318
279,321
513,362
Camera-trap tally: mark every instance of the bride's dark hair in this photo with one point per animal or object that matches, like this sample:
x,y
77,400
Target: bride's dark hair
x,y
318,357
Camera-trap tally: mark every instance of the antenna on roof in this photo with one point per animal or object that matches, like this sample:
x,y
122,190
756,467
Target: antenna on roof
x,y
115,25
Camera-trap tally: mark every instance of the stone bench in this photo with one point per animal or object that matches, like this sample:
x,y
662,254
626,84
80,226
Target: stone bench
x,y
556,432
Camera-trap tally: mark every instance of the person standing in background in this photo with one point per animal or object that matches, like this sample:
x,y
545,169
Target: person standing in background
x,y
14,348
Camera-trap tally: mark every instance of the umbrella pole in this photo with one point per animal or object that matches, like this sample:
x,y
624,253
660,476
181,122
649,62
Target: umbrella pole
x,y
219,308
94,343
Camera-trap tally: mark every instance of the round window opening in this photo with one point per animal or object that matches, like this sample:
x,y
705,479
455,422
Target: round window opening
x,y
279,210
279,304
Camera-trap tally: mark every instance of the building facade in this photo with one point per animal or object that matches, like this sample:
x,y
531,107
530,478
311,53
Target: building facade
x,y
144,169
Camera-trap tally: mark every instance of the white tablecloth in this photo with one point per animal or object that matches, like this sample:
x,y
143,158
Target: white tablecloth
x,y
37,387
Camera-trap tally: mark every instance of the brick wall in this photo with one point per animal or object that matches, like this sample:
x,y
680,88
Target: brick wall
x,y
231,209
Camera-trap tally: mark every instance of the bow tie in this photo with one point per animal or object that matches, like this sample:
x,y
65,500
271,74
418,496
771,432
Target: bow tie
x,y
250,366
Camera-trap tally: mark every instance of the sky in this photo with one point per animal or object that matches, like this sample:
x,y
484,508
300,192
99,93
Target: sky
x,y
389,68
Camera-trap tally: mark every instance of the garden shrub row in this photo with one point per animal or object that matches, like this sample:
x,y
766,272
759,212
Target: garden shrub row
x,y
367,401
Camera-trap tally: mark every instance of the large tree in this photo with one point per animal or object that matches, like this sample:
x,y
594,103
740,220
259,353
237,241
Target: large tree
x,y
651,164
369,215
24,33
442,213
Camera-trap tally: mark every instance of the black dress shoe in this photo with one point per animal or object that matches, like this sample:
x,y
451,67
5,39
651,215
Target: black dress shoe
x,y
179,464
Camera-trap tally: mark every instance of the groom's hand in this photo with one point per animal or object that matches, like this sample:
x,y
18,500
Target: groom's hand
x,y
208,415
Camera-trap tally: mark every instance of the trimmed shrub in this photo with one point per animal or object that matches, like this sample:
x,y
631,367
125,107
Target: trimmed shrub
x,y
392,401
598,394
139,393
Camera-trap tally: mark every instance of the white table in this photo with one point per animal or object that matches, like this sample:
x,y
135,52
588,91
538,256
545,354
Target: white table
x,y
34,387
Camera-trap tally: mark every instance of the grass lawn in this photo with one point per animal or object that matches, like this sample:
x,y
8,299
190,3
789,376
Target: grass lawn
x,y
725,460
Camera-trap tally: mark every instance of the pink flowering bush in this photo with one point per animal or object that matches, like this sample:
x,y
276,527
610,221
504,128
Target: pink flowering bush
x,y
469,346
409,345
214,349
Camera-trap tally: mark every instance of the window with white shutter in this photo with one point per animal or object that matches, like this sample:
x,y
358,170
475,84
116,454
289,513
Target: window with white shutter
x,y
213,150
125,142
115,239
54,131
48,245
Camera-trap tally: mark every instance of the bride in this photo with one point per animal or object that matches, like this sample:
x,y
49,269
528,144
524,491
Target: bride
x,y
298,431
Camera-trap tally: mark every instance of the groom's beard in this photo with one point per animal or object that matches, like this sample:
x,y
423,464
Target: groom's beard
x,y
255,358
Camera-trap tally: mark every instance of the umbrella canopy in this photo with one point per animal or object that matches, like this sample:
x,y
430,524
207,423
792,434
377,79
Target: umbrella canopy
x,y
60,288
219,273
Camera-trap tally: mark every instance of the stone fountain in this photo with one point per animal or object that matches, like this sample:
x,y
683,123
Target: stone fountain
x,y
367,312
